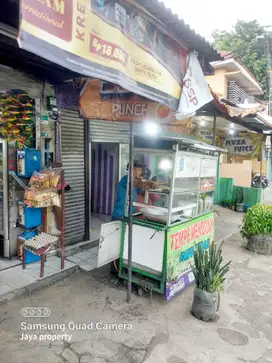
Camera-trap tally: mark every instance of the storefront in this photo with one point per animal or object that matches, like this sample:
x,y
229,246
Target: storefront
x,y
144,71
22,97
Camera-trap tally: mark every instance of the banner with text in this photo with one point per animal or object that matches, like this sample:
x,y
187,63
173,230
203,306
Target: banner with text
x,y
244,143
101,100
181,242
117,41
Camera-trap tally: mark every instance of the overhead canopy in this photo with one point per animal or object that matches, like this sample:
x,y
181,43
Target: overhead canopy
x,y
12,56
30,63
181,30
252,118
153,140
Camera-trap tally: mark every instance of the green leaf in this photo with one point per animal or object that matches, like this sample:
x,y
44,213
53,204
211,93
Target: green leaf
x,y
208,269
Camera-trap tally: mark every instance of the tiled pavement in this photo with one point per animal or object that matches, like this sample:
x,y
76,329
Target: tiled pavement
x,y
14,277
5,263
86,260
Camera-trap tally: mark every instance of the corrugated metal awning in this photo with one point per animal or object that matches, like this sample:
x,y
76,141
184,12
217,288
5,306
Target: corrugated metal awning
x,y
180,29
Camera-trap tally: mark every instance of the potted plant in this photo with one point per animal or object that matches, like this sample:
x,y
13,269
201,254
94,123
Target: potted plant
x,y
241,195
227,203
209,272
257,229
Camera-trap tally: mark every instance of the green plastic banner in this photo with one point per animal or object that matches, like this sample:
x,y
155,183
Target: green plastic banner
x,y
181,242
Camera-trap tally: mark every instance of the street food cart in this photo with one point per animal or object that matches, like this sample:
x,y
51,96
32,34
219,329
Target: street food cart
x,y
166,228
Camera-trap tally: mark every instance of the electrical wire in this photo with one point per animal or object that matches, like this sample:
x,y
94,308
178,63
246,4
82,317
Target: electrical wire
x,y
257,41
115,266
249,45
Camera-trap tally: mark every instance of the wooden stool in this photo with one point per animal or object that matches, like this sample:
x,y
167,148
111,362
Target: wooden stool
x,y
39,245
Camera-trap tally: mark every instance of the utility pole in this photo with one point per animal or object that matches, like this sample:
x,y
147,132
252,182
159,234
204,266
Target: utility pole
x,y
269,69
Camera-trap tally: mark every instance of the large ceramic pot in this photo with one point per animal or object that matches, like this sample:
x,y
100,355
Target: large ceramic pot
x,y
261,244
240,207
205,304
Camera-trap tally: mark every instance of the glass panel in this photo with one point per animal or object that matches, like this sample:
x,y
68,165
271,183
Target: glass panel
x,y
207,185
185,195
124,159
157,167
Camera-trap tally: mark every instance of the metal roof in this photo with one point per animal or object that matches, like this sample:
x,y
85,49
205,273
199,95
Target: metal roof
x,y
180,29
253,122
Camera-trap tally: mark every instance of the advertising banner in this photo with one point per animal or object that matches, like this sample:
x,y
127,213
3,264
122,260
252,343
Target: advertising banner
x,y
101,100
245,143
196,91
204,135
181,242
117,41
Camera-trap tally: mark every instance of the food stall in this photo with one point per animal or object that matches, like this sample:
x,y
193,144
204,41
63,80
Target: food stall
x,y
166,228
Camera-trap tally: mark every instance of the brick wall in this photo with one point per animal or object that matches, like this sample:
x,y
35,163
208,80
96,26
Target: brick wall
x,y
237,95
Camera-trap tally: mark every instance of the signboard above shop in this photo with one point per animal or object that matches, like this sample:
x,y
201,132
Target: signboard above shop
x,y
244,143
117,41
100,100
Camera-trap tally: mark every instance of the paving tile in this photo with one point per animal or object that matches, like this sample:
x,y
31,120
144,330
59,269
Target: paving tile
x,y
89,256
4,289
54,263
94,250
6,263
92,260
35,272
95,235
74,259
83,255
87,266
3,265
15,278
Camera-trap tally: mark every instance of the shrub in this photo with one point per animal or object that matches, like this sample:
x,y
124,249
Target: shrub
x,y
257,220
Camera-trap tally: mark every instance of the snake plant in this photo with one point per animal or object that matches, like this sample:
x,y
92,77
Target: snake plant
x,y
209,270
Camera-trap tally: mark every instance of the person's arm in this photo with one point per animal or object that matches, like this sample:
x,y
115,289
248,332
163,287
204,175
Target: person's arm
x,y
144,184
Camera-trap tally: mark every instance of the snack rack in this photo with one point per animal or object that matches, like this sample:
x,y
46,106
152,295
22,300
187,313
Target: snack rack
x,y
43,243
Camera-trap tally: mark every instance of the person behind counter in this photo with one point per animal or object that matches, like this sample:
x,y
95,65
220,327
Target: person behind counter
x,y
120,205
138,184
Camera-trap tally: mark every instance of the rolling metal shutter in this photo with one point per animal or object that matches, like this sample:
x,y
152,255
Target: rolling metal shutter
x,y
106,131
72,139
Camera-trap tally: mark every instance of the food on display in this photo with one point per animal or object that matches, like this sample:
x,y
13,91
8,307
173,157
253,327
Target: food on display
x,y
41,199
42,191
46,179
17,118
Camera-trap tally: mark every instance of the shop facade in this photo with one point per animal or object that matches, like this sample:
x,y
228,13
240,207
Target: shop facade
x,y
37,91
93,150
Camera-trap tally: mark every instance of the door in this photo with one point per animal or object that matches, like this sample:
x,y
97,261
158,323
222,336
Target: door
x,y
104,177
109,243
